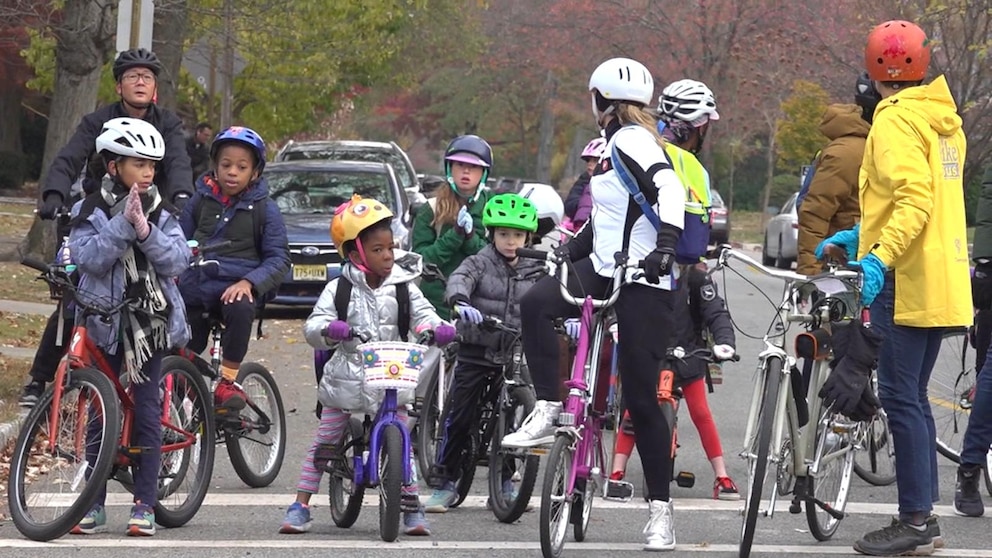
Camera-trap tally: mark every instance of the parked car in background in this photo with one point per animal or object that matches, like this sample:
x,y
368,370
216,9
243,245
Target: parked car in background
x,y
307,192
429,183
719,220
374,151
781,245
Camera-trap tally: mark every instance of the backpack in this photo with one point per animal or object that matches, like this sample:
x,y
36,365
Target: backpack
x,y
808,179
694,240
342,298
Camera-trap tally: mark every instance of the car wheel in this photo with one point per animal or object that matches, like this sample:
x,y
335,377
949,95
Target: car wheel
x,y
766,258
781,261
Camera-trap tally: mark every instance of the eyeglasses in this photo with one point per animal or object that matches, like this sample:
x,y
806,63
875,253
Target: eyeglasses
x,y
135,78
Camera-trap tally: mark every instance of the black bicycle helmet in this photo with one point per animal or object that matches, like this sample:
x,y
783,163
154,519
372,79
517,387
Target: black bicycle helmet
x,y
866,96
136,58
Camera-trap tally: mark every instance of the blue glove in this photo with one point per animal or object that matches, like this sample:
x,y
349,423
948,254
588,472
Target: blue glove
x,y
464,220
848,240
874,277
468,313
572,327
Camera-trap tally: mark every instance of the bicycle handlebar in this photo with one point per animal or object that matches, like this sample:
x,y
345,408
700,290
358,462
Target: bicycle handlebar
x,y
726,253
704,354
620,267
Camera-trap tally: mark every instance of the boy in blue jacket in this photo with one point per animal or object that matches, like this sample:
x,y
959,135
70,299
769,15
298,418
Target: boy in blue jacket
x,y
223,208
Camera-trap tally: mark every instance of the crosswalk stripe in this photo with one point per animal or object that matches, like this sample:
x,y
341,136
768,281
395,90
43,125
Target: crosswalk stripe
x,y
251,500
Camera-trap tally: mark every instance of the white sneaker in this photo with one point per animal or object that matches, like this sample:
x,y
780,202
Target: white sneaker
x,y
660,529
538,428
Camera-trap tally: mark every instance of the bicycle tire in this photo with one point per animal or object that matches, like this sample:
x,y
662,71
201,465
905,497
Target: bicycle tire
x,y
831,484
555,505
391,460
181,493
429,428
469,463
581,515
760,447
952,376
875,463
265,438
345,495
513,461
21,506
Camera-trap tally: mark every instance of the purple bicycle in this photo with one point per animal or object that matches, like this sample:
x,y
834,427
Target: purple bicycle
x,y
374,453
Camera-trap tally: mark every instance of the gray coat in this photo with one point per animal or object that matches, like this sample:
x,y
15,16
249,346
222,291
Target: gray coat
x,y
494,288
372,312
97,245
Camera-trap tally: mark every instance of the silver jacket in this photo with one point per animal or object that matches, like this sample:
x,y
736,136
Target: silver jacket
x,y
374,313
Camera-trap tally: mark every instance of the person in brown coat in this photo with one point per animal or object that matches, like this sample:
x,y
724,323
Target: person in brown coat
x,y
831,204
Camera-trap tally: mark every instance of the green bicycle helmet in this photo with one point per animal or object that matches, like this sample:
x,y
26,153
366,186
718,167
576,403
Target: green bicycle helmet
x,y
511,211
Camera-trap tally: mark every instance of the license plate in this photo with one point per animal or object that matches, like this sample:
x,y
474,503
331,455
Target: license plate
x,y
309,273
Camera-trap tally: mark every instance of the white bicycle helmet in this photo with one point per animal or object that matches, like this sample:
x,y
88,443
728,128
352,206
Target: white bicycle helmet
x,y
131,137
550,207
623,79
688,100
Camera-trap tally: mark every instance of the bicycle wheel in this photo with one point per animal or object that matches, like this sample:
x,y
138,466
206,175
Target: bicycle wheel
x,y
346,495
257,445
952,377
585,490
875,462
556,504
829,486
49,491
429,431
390,483
756,452
512,472
184,475
469,463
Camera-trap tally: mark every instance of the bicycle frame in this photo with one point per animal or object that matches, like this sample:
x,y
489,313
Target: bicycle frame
x,y
366,466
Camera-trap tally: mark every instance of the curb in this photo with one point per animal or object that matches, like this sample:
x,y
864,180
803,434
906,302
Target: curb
x,y
10,430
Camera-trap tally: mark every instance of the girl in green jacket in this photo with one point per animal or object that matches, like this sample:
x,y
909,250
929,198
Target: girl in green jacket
x,y
449,228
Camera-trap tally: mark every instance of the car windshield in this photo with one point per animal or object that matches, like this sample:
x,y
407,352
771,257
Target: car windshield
x,y
319,191
338,153
716,199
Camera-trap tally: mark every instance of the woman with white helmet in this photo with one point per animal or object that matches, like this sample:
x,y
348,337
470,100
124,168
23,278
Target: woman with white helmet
x,y
621,89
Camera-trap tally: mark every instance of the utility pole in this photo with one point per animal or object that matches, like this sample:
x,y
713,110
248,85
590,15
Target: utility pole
x,y
135,22
227,92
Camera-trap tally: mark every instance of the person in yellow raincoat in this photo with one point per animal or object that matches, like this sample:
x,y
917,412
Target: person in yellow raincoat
x,y
912,249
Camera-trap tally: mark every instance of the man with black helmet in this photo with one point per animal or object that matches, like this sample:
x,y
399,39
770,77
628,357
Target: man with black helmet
x,y
136,72
831,203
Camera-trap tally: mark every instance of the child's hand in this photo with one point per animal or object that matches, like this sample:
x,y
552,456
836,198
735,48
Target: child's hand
x,y
237,291
338,330
468,313
572,327
444,334
135,215
464,220
723,352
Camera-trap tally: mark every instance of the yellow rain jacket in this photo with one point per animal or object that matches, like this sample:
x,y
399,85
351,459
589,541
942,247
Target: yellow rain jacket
x,y
912,204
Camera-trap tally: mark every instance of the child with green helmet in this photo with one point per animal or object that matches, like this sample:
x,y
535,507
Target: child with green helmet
x,y
489,283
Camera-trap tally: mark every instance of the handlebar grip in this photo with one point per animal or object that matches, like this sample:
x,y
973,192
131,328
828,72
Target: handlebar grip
x,y
35,263
532,254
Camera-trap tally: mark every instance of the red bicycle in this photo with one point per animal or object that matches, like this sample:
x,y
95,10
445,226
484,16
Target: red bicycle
x,y
79,435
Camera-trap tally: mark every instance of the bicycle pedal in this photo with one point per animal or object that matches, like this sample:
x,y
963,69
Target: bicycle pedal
x,y
618,491
795,507
685,479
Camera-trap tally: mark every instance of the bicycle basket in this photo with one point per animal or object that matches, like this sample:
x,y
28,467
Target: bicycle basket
x,y
392,364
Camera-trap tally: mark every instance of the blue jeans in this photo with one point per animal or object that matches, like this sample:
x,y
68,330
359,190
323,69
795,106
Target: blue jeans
x,y
905,361
978,436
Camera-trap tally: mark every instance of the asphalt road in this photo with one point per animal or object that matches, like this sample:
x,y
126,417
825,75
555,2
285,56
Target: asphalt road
x,y
237,521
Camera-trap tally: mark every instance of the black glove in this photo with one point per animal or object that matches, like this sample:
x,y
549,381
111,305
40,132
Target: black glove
x,y
180,200
661,261
855,350
50,205
867,406
561,254
981,286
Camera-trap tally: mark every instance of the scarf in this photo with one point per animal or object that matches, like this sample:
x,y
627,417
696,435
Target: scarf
x,y
144,321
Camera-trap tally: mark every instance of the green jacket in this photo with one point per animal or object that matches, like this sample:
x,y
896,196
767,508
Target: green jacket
x,y
446,249
983,220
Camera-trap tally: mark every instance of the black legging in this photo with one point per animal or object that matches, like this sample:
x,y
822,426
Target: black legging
x,y
644,319
51,348
237,328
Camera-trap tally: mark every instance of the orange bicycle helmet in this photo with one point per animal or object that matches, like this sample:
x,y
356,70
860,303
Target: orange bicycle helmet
x,y
353,217
897,51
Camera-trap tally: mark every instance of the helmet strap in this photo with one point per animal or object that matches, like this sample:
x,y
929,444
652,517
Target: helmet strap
x,y
362,265
469,200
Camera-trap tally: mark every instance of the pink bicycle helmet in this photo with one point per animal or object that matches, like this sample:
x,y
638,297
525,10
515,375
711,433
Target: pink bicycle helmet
x,y
594,148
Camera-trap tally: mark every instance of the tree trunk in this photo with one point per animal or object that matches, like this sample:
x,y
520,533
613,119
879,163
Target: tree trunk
x,y
84,43
769,177
10,117
546,134
171,21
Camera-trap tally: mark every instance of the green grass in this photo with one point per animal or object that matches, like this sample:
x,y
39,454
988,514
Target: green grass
x,y
13,376
746,226
21,330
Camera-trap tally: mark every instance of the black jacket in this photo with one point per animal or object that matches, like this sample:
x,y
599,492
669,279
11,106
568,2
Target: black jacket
x,y
703,310
199,157
173,174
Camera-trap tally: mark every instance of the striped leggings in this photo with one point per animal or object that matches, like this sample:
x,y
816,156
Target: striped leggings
x,y
329,432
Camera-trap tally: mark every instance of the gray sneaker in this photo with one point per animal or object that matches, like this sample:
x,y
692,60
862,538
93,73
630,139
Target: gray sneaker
x,y
660,530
